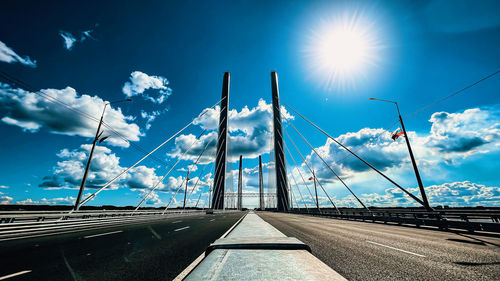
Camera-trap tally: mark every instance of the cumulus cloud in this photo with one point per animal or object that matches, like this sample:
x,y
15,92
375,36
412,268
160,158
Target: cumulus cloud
x,y
452,136
9,56
51,201
68,172
4,186
141,83
31,111
69,39
153,198
465,132
250,133
463,194
5,200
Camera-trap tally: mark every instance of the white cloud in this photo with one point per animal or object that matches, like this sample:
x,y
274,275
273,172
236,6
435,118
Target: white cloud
x,y
5,200
3,186
465,132
9,56
153,198
149,117
463,194
250,133
141,82
453,136
68,172
51,201
142,177
69,39
31,112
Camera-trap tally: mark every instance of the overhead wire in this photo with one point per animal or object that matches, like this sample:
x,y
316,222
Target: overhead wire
x,y
362,160
312,172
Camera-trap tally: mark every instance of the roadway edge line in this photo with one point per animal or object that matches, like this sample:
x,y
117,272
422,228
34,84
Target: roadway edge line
x,y
198,260
102,234
394,248
14,274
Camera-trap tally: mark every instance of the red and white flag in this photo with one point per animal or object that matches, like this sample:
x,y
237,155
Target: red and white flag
x,y
311,178
396,134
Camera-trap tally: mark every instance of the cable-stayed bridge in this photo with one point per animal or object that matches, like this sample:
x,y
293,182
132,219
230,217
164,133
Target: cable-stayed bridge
x,y
290,236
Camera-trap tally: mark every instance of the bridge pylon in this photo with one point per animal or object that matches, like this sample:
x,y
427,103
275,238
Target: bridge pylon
x,y
283,203
220,160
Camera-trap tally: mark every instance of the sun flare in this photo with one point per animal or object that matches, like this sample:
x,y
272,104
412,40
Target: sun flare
x,y
341,51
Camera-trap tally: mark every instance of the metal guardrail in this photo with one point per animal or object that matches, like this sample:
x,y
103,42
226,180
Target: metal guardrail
x,y
27,224
488,221
23,216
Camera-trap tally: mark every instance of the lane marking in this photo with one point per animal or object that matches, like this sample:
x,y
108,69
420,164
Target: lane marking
x,y
404,251
212,219
177,221
154,233
15,274
182,228
102,234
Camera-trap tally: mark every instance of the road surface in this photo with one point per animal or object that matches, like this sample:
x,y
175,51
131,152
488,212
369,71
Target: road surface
x,y
154,251
373,251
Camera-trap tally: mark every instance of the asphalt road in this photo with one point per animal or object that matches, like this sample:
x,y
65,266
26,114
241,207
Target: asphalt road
x,y
372,251
154,251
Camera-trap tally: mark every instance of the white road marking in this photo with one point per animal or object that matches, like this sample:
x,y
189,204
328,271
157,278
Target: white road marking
x,y
15,274
177,221
212,219
408,252
182,228
102,234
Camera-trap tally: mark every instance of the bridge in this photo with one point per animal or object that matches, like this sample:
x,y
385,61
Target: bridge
x,y
290,236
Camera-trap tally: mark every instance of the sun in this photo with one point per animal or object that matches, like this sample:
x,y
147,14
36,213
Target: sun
x,y
341,51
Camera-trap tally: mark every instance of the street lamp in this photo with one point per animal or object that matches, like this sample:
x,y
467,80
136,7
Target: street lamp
x,y
96,138
415,168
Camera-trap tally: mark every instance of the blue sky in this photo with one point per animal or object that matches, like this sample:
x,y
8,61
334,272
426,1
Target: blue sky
x,y
170,56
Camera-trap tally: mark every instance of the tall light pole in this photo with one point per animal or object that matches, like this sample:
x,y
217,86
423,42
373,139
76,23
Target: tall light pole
x,y
96,138
186,191
316,191
415,168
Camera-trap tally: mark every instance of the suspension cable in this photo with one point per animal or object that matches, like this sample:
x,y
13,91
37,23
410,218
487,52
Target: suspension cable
x,y
202,192
297,167
300,193
293,196
30,88
368,164
312,172
90,197
199,177
338,177
171,168
189,170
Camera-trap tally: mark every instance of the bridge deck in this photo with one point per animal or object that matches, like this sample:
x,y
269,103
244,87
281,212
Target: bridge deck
x,y
377,251
289,263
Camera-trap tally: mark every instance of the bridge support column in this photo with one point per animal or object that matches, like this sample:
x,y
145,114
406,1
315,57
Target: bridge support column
x,y
279,155
220,160
240,183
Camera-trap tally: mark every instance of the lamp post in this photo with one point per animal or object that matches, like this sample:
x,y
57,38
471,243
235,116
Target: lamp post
x,y
96,138
316,191
415,168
